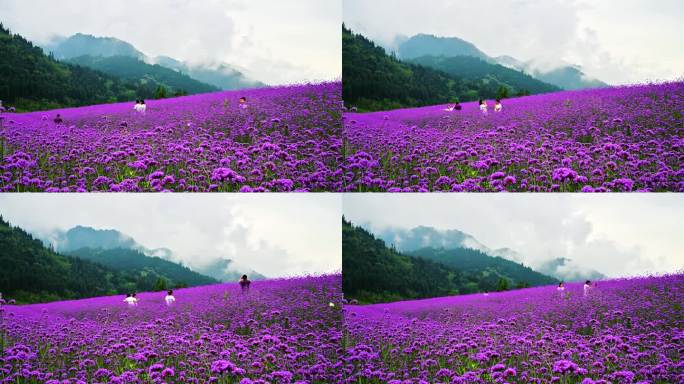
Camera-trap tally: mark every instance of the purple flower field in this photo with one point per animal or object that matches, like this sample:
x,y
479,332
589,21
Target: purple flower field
x,y
625,331
286,139
281,331
614,139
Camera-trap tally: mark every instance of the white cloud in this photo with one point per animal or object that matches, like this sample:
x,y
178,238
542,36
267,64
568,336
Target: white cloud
x,y
616,234
616,41
274,234
273,41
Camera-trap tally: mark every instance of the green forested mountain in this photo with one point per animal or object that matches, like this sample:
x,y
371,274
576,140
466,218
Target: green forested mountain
x,y
374,80
32,272
374,272
430,45
497,76
149,269
30,80
148,75
471,260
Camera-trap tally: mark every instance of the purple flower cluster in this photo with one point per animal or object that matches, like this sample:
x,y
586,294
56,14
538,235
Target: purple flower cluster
x,y
615,139
286,139
282,331
625,331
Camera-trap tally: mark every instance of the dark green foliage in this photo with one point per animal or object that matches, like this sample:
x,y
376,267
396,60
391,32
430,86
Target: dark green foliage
x,y
160,284
374,272
472,260
32,272
150,269
164,81
493,80
374,80
31,80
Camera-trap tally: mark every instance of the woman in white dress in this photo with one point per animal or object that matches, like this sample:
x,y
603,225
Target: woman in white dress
x,y
483,107
498,106
587,287
169,299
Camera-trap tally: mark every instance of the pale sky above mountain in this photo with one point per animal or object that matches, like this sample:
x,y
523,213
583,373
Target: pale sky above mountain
x,y
276,42
617,41
274,234
616,234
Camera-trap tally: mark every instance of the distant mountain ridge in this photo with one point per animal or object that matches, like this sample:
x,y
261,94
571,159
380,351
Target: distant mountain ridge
x,y
32,272
83,237
420,237
373,271
565,76
102,49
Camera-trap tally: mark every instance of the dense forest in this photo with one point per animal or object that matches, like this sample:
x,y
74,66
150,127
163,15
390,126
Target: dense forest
x,y
492,78
374,272
33,273
31,80
472,260
374,80
152,76
150,269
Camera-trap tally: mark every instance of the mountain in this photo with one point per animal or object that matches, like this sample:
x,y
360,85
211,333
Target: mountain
x,y
89,45
409,240
149,269
475,261
568,77
412,240
228,271
561,76
374,272
152,76
473,68
221,76
567,270
77,238
32,272
99,52
31,80
374,80
431,45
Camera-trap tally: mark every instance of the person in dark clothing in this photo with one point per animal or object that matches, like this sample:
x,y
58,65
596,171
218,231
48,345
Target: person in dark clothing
x,y
244,283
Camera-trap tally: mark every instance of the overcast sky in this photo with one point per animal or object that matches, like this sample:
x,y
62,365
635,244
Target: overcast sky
x,y
274,234
617,41
616,234
274,41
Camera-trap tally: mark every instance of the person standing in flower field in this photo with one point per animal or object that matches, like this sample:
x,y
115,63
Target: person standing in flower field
x,y
130,300
587,287
243,103
244,283
561,287
169,299
483,107
498,106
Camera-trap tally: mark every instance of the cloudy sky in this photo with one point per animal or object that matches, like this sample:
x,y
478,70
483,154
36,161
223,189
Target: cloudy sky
x,y
274,234
617,41
616,234
274,41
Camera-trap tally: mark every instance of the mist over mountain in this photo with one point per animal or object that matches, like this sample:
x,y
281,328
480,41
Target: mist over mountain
x,y
417,238
564,76
82,237
221,75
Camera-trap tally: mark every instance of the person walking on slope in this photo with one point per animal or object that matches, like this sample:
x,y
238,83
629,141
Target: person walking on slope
x,y
169,299
483,107
244,283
